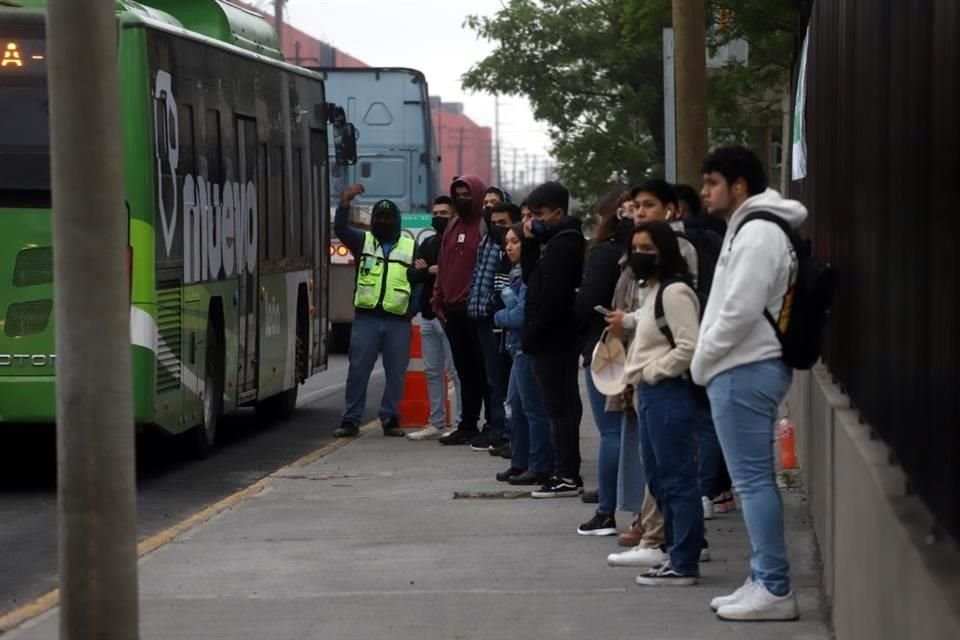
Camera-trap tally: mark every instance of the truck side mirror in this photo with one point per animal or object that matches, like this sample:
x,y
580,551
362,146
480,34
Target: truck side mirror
x,y
345,143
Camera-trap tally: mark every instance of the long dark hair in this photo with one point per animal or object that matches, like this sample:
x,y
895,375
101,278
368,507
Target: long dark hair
x,y
607,208
670,265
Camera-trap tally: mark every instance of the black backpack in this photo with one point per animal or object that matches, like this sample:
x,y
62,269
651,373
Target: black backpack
x,y
660,317
806,305
708,245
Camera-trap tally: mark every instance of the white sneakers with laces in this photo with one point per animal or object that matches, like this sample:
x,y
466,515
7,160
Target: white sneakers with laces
x,y
638,557
753,602
429,432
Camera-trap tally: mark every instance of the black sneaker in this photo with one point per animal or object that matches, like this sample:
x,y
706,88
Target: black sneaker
x,y
391,429
601,524
502,447
484,441
512,472
666,576
346,429
458,436
558,488
591,497
529,479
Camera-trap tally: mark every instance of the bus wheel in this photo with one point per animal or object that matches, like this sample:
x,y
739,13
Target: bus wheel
x,y
204,436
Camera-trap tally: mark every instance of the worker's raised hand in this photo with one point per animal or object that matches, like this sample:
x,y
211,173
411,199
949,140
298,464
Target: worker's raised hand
x,y
350,193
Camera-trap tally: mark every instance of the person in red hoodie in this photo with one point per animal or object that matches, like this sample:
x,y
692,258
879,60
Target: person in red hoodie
x,y
458,257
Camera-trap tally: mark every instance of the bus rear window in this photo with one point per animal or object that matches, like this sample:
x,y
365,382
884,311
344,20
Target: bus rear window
x,y
24,123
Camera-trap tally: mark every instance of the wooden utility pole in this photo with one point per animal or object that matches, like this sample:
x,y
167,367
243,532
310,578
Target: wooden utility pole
x,y
690,59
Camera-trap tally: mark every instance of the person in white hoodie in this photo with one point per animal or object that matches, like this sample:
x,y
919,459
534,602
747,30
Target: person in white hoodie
x,y
738,359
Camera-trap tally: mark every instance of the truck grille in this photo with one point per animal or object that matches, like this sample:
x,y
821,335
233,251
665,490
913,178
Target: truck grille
x,y
169,348
33,266
27,318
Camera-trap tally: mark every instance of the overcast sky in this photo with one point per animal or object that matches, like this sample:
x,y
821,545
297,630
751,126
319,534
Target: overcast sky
x,y
427,35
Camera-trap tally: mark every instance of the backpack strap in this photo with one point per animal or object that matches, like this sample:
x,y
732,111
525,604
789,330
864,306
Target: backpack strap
x,y
791,237
659,316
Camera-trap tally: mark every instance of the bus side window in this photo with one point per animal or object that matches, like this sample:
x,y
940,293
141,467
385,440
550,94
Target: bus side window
x,y
213,148
297,229
276,219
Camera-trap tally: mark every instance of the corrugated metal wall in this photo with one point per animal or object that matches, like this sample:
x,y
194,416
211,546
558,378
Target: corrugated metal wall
x,y
883,188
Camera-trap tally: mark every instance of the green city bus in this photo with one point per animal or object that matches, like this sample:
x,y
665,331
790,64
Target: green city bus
x,y
226,195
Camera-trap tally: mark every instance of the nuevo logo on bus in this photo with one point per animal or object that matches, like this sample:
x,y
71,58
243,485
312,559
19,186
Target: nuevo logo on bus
x,y
219,220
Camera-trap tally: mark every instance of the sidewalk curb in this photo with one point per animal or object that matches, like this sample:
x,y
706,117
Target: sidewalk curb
x,y
49,600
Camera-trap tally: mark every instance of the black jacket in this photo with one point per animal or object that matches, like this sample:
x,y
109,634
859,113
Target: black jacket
x,y
552,271
601,271
429,251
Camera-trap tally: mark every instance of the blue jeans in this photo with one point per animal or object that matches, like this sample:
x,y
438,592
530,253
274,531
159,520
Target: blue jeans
x,y
437,360
631,483
709,455
608,458
530,440
668,446
745,401
496,375
375,335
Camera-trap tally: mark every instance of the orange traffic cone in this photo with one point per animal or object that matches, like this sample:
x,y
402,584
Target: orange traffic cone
x,y
787,439
415,405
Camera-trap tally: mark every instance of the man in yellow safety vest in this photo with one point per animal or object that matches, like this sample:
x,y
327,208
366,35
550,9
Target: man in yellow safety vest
x,y
381,325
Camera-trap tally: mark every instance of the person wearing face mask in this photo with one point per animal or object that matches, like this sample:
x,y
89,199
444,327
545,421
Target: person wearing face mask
x,y
665,331
600,273
381,326
490,275
552,259
457,259
437,357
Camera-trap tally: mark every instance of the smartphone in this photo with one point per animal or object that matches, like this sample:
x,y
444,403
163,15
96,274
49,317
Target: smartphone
x,y
601,310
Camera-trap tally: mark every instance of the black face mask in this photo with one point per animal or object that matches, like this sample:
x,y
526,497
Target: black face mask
x,y
488,214
464,206
439,223
643,265
383,230
498,234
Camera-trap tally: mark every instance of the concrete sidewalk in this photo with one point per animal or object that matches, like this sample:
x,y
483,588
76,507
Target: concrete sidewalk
x,y
376,542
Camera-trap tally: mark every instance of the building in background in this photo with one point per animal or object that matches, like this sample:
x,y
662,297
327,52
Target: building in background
x,y
463,145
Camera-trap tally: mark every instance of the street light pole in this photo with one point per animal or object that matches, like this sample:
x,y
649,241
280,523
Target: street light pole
x,y
690,60
95,431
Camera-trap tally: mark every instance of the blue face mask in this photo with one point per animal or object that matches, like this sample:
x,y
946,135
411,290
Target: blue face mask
x,y
539,228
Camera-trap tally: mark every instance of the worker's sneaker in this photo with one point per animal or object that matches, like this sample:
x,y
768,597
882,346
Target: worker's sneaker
x,y
666,576
601,524
429,432
757,603
347,429
724,503
391,429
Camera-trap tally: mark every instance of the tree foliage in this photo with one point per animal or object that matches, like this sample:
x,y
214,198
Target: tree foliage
x,y
593,71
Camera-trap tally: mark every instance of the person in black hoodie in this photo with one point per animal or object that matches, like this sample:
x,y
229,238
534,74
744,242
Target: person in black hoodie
x,y
552,263
600,274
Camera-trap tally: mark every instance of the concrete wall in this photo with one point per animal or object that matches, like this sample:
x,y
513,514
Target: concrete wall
x,y
885,574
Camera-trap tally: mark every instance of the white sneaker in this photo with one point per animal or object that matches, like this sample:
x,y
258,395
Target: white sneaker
x,y
429,432
638,557
721,601
757,603
707,508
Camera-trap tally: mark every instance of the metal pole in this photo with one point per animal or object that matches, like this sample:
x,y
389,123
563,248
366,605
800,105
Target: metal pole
x,y
95,431
496,125
669,110
278,22
690,57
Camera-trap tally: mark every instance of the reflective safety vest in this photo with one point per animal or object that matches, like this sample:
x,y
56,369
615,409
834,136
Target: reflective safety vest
x,y
382,280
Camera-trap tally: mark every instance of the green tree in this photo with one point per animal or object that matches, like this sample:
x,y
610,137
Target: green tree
x,y
593,71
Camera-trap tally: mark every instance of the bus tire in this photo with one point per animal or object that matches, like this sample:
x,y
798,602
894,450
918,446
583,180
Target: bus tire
x,y
203,437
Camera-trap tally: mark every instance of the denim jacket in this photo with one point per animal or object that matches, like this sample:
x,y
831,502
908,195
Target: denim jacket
x,y
511,317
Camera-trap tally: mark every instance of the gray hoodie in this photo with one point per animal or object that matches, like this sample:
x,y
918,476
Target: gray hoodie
x,y
753,273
